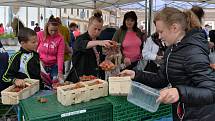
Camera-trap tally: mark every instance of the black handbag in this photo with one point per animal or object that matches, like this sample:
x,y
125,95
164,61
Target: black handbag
x,y
72,76
151,66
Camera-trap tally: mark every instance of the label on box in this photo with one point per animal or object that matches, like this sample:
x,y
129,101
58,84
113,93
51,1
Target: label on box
x,y
73,113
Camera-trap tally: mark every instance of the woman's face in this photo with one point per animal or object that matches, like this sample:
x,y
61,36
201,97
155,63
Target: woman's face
x,y
52,30
94,29
166,34
129,23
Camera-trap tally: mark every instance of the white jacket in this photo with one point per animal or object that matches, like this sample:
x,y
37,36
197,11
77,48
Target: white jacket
x,y
150,50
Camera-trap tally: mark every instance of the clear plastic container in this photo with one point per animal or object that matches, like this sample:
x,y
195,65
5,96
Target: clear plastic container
x,y
143,96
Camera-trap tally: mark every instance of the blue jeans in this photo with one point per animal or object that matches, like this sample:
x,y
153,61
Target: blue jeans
x,y
53,70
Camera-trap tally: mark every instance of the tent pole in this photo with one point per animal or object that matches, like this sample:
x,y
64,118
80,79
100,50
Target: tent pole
x,y
17,25
27,17
38,16
5,23
146,19
94,4
60,12
150,16
44,20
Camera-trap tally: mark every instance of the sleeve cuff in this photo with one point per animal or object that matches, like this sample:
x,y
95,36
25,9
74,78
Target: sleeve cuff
x,y
181,97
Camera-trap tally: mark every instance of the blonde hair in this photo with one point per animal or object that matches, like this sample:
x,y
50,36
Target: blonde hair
x,y
97,15
187,19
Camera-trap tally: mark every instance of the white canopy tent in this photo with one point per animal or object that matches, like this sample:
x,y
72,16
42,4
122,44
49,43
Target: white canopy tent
x,y
87,4
201,1
100,4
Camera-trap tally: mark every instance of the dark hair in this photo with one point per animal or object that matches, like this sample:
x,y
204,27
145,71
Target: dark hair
x,y
58,20
131,15
25,33
54,21
212,35
36,24
207,25
199,12
72,24
169,16
97,15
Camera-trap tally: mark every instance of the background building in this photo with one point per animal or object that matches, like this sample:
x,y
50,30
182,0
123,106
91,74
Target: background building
x,y
114,16
31,15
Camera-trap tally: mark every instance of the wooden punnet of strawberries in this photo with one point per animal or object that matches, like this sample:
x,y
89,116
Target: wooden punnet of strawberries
x,y
19,88
87,78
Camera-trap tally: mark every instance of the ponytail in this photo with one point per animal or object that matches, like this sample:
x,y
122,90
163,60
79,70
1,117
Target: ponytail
x,y
97,15
192,20
187,19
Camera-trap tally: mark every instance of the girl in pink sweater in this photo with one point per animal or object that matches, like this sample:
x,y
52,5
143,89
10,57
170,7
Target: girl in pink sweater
x,y
51,49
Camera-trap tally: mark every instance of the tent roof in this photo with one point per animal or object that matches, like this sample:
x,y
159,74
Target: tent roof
x,y
66,3
201,1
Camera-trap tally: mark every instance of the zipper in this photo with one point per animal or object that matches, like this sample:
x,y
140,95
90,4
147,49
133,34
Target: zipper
x,y
47,50
169,85
180,105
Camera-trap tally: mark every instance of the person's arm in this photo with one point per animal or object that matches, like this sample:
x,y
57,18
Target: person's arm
x,y
202,77
12,69
116,36
154,80
60,56
93,43
150,50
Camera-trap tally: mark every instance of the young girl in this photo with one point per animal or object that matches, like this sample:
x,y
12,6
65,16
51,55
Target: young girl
x,y
24,63
51,49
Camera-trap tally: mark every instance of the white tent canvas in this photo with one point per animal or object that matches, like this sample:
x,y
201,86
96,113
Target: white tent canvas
x,y
66,3
201,1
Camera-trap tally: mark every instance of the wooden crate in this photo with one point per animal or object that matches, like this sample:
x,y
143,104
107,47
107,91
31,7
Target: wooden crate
x,y
119,85
9,97
68,96
98,88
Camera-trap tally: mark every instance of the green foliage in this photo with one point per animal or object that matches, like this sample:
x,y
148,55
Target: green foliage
x,y
6,36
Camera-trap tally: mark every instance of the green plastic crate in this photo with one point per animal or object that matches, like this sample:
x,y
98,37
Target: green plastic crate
x,y
94,110
6,109
125,111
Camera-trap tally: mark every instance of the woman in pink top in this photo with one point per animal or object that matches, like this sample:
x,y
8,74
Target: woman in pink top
x,y
1,29
131,39
51,49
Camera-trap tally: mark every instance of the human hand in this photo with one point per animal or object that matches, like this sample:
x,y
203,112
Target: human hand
x,y
19,83
105,43
211,45
71,51
168,96
60,78
127,73
159,57
127,62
